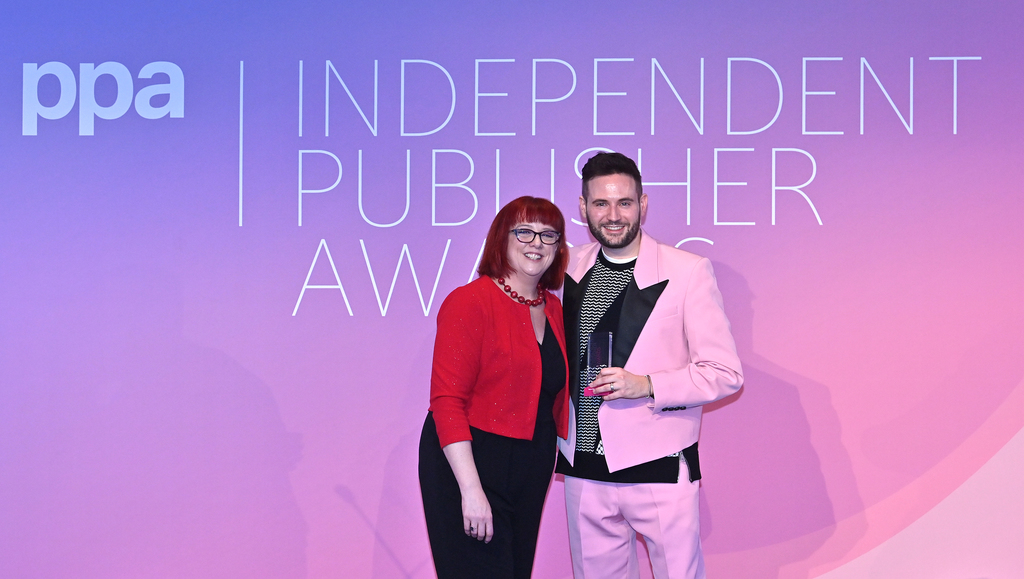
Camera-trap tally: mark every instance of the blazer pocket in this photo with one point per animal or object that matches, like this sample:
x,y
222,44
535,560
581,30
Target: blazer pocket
x,y
665,335
663,314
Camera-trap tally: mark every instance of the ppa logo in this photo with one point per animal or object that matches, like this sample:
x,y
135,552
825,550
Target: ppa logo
x,y
85,87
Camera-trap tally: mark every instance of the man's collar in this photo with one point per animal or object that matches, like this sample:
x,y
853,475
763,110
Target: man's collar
x,y
645,272
616,260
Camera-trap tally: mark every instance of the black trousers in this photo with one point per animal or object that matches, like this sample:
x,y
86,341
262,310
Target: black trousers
x,y
515,475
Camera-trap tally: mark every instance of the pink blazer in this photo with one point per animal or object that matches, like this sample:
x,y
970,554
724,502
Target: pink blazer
x,y
672,327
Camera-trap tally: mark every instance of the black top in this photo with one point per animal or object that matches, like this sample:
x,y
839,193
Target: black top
x,y
552,378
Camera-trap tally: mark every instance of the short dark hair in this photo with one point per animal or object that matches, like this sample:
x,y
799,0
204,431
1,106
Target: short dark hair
x,y
603,164
494,261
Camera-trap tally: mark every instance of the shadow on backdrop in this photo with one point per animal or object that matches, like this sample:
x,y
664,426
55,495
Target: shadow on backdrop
x,y
771,476
127,451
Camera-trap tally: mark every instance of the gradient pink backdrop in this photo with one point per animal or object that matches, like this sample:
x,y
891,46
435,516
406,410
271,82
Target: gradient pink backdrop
x,y
163,413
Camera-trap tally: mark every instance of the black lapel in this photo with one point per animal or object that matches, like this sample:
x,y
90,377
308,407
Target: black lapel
x,y
635,310
572,301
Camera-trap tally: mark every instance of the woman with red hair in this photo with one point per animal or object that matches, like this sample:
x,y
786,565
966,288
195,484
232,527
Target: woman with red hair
x,y
498,398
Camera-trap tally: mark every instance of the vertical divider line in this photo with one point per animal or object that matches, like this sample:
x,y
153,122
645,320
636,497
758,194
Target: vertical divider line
x,y
241,93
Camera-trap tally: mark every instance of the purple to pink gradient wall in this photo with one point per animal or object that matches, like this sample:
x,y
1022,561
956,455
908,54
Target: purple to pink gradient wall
x,y
169,407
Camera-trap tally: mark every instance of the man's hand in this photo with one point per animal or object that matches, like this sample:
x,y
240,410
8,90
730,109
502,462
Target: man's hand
x,y
614,383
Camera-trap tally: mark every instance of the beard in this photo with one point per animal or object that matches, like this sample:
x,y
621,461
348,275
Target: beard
x,y
631,231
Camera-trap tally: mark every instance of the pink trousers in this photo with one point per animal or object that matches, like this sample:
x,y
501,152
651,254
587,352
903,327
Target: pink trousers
x,y
604,519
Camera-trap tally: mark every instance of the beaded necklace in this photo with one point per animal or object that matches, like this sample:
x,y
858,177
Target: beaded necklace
x,y
521,299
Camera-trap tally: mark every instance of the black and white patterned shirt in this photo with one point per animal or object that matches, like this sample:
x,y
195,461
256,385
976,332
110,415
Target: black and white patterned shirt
x,y
608,281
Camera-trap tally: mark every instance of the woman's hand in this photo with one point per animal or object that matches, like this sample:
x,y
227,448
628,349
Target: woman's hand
x,y
477,521
476,515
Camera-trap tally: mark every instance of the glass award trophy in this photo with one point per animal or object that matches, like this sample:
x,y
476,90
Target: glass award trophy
x,y
599,355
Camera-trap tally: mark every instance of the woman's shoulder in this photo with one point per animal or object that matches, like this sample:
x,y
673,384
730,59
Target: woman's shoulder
x,y
470,296
481,287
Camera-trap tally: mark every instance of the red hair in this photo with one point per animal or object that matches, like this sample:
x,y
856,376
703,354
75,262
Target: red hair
x,y
494,262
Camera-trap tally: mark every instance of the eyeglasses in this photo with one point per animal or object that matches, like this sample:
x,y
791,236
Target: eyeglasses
x,y
528,235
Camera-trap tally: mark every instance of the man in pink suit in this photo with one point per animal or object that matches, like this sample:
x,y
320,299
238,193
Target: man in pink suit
x,y
630,461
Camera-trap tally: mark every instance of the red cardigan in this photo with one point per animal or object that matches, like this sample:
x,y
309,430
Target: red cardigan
x,y
487,367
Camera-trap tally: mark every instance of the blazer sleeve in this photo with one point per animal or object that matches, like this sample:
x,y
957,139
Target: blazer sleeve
x,y
714,370
456,365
